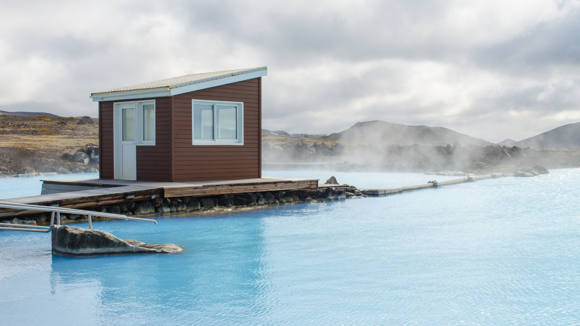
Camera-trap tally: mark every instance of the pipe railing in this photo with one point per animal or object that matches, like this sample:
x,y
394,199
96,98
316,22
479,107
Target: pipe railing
x,y
55,212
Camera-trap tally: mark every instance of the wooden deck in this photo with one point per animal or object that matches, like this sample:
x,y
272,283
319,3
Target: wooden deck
x,y
80,193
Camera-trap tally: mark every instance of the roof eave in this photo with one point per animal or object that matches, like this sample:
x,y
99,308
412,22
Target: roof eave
x,y
181,88
129,95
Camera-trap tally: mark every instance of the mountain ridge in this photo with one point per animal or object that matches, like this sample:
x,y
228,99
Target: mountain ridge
x,y
392,133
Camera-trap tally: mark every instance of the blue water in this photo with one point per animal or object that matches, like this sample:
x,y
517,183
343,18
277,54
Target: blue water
x,y
31,186
493,252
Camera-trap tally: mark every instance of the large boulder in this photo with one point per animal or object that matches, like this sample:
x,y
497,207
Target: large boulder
x,y
86,120
75,241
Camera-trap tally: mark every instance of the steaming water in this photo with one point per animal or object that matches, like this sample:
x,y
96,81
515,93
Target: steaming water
x,y
494,252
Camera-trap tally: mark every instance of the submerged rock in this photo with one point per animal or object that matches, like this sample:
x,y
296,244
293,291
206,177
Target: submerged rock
x,y
75,241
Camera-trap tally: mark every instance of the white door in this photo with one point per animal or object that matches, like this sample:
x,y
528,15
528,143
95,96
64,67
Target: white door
x,y
125,144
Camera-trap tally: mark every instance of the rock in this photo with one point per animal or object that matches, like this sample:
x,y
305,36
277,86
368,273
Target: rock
x,y
523,174
193,206
261,201
269,198
250,198
131,206
75,241
240,201
42,218
157,202
123,207
63,169
4,170
86,120
185,200
27,171
182,207
259,195
541,170
331,181
144,207
288,199
73,217
227,200
172,208
163,210
80,157
207,202
115,209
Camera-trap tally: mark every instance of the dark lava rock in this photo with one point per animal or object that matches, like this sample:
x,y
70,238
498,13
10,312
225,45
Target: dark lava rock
x,y
75,241
86,120
115,209
207,202
144,207
163,210
540,169
331,181
240,201
269,198
80,157
182,207
193,206
251,198
131,206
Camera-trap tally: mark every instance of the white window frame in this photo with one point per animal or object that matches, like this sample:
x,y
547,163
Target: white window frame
x,y
240,124
139,120
138,105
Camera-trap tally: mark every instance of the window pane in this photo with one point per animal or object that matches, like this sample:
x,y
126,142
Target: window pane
x,y
128,124
148,122
227,122
202,121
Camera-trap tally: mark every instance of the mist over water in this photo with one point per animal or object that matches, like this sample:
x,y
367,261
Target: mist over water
x,y
493,252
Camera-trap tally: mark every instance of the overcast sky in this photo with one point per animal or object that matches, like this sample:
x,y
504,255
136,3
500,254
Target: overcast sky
x,y
492,69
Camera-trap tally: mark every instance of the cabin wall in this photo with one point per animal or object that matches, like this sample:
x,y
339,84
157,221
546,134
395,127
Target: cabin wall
x,y
224,162
154,163
106,141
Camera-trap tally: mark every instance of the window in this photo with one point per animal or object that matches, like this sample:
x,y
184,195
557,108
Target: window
x,y
137,122
217,123
146,123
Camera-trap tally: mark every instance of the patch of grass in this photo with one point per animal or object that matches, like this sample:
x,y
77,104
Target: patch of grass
x,y
43,131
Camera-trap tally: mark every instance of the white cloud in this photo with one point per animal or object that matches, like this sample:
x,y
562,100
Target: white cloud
x,y
492,69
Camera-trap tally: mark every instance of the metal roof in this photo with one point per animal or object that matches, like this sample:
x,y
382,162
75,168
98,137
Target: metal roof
x,y
176,82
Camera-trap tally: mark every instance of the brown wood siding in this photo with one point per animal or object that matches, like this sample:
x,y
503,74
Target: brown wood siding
x,y
199,163
106,142
153,162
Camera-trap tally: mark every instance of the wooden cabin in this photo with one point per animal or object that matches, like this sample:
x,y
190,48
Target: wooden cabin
x,y
196,127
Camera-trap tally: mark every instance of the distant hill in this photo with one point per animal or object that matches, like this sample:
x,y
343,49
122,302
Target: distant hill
x,y
567,136
29,114
392,133
507,142
276,133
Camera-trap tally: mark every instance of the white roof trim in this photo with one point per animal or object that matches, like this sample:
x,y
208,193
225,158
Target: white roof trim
x,y
181,88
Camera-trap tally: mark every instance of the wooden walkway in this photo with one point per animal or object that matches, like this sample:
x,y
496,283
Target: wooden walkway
x,y
80,193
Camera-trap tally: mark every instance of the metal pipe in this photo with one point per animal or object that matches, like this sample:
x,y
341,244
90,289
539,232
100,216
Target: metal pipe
x,y
25,226
20,229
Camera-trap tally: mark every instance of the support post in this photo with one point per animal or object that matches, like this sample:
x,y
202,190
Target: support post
x,y
90,222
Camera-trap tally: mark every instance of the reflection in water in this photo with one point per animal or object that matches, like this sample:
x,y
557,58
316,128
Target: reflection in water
x,y
494,252
221,264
